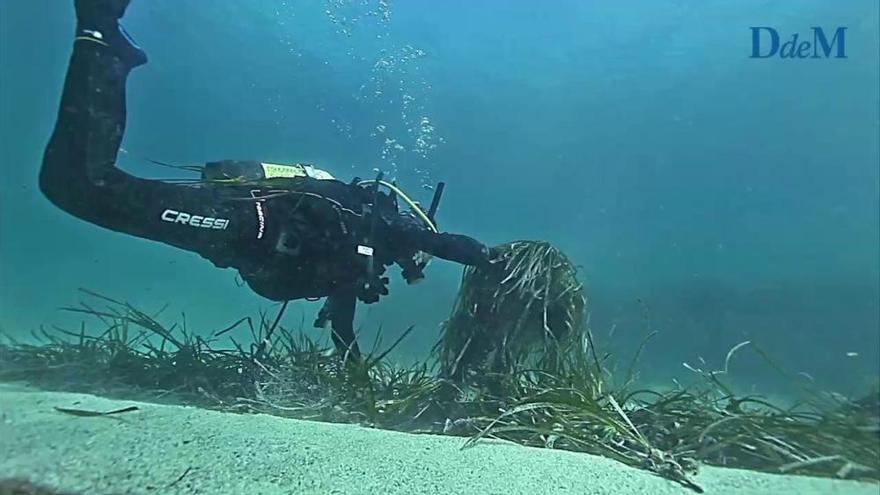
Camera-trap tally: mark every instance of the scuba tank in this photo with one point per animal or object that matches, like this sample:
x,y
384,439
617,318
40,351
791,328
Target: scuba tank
x,y
249,170
252,171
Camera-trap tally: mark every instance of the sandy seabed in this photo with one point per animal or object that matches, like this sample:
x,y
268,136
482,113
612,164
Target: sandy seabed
x,y
185,450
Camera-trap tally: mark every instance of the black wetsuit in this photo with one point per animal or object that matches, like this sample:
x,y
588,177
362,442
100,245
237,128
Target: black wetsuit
x,y
298,240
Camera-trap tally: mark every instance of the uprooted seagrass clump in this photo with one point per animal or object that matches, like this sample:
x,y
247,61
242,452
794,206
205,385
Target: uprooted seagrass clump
x,y
518,309
565,402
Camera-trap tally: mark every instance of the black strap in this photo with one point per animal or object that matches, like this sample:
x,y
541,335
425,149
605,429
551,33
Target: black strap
x,y
373,225
435,201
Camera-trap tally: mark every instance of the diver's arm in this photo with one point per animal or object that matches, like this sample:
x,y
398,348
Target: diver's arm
x,y
452,247
79,174
405,234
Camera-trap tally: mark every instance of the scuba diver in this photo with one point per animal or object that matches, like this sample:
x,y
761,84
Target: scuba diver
x,y
291,231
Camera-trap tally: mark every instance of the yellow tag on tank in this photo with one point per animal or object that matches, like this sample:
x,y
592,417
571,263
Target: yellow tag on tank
x,y
274,170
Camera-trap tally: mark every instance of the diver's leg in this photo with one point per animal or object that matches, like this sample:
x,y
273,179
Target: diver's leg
x,y
340,309
98,22
81,153
79,173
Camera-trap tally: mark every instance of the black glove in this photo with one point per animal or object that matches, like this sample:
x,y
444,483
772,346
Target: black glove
x,y
371,290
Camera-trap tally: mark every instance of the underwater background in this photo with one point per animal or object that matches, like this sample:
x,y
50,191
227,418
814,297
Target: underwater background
x,y
708,196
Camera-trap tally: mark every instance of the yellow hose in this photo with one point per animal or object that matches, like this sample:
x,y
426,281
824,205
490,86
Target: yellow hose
x,y
407,199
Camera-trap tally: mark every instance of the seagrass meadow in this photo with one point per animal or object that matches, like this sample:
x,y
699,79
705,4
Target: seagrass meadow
x,y
537,380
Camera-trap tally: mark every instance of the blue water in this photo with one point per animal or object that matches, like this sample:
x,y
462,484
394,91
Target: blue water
x,y
709,196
